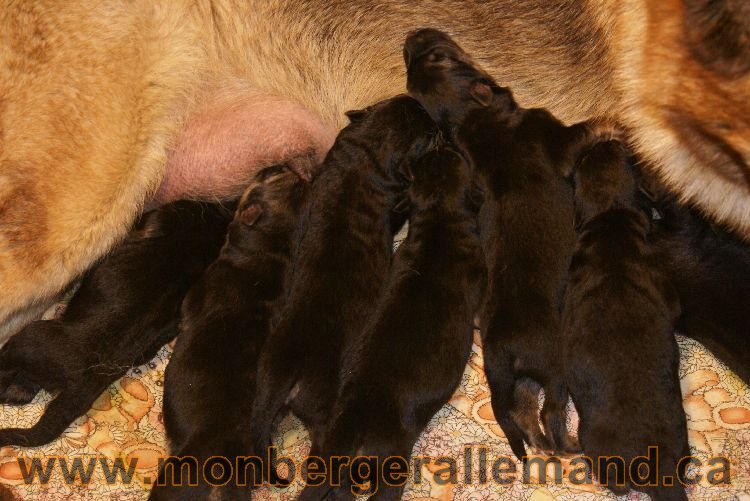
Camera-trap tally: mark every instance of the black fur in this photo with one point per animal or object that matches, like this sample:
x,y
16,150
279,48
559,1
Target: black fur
x,y
423,320
620,354
341,263
520,158
209,384
126,308
710,269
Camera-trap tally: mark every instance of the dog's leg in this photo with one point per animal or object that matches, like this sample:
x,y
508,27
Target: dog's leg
x,y
553,418
499,371
276,377
24,364
526,415
16,389
59,414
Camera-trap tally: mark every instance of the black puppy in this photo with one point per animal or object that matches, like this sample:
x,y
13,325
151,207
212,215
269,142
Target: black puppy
x,y
341,262
621,357
710,269
424,319
226,317
520,158
125,310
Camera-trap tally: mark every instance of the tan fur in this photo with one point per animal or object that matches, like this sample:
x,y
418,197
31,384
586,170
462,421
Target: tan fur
x,y
94,94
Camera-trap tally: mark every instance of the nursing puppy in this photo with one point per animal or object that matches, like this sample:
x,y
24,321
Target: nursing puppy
x,y
424,319
519,158
341,262
210,380
710,270
126,308
101,102
620,354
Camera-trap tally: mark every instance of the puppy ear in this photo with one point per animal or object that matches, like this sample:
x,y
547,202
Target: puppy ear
x,y
481,92
250,214
356,116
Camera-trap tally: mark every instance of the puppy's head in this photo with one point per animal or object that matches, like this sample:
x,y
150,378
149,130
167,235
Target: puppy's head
x,y
441,176
445,80
604,179
276,195
395,132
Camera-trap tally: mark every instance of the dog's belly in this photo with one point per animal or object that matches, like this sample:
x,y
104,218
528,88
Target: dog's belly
x,y
231,135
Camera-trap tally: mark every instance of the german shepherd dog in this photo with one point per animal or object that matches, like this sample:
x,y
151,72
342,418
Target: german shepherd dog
x,y
620,354
127,307
226,317
519,158
340,264
103,105
424,319
710,269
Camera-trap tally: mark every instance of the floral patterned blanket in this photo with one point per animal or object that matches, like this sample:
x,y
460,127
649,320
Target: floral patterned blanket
x,y
125,427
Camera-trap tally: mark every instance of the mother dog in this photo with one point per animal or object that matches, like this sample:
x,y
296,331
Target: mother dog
x,y
105,105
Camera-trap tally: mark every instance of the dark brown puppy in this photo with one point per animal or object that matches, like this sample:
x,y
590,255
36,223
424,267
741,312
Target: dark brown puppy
x,y
519,158
226,317
710,269
423,320
126,308
341,262
620,354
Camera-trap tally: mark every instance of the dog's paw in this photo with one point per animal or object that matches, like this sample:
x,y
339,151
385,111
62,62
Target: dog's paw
x,y
570,447
15,389
541,445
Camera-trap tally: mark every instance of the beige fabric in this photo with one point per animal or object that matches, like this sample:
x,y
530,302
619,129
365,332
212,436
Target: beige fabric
x,y
126,422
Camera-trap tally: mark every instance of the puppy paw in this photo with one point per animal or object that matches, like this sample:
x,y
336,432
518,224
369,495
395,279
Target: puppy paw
x,y
18,394
540,445
16,389
570,447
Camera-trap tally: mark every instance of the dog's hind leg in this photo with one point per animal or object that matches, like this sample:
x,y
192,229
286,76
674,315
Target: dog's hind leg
x,y
526,414
277,376
16,389
24,365
59,414
553,418
501,379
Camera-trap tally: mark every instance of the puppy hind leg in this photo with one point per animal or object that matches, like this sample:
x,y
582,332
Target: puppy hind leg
x,y
23,362
501,380
70,404
387,491
554,418
333,442
16,389
276,378
525,413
